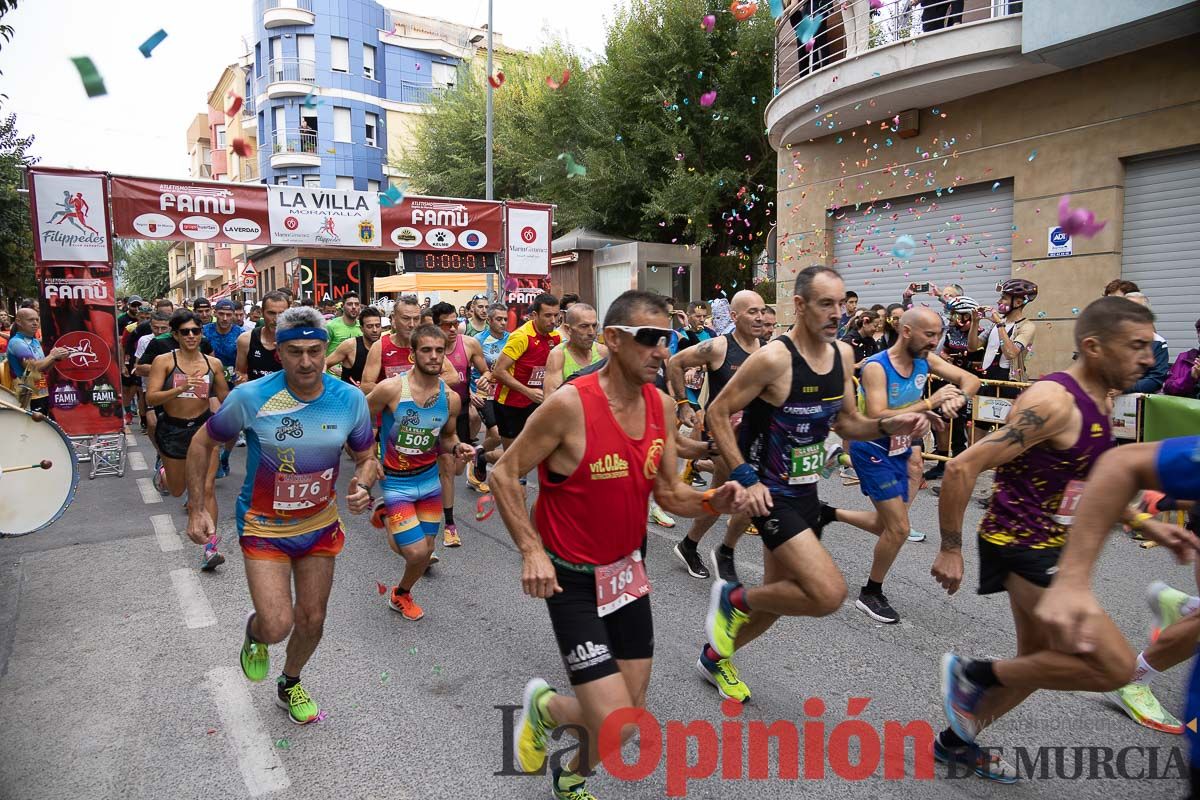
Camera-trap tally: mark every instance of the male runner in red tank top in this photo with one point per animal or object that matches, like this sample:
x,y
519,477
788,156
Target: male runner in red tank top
x,y
598,443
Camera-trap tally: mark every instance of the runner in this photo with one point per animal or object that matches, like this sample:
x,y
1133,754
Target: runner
x,y
350,357
257,354
418,415
598,444
160,324
346,325
477,316
521,368
893,382
580,349
297,421
222,336
491,341
461,354
181,383
719,359
392,354
1055,432
203,310
792,391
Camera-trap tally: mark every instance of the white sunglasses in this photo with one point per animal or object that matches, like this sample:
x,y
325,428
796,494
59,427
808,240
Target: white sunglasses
x,y
646,335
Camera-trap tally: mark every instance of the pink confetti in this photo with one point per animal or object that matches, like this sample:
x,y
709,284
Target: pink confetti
x,y
876,5
708,98
1079,221
382,589
485,507
708,23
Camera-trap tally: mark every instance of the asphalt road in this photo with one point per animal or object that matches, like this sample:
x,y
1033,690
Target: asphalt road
x,y
119,674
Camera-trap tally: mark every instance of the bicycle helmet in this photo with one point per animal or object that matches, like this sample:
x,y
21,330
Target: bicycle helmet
x,y
1019,288
962,305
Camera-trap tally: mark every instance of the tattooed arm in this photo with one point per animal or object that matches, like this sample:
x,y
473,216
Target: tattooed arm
x,y
1043,411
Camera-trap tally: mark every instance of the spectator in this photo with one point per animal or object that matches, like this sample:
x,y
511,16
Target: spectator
x,y
1152,382
1120,288
1184,379
849,309
862,337
891,324
769,318
28,363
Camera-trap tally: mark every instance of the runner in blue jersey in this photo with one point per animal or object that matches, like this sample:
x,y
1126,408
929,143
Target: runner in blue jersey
x,y
222,335
483,398
889,467
296,422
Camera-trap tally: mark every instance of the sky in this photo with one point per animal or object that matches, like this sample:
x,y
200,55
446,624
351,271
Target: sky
x,y
140,126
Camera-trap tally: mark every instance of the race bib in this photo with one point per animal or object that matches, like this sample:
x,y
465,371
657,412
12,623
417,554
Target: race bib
x,y
297,492
537,377
899,444
1069,503
393,371
620,583
200,392
806,463
415,441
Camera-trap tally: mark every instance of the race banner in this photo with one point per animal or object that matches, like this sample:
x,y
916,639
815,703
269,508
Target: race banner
x,y
325,217
444,224
78,313
519,294
69,217
181,210
529,230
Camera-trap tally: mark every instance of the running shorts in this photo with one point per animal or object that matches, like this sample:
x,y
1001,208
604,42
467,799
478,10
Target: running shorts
x,y
790,516
591,645
511,420
174,435
413,504
462,426
1178,467
324,543
1038,566
881,477
488,413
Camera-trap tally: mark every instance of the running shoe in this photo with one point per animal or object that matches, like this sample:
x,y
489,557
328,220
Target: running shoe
x,y
723,675
379,514
752,530
241,440
1149,502
659,517
223,469
433,559
160,480
256,661
936,472
475,482
301,708
724,565
1166,606
405,605
211,559
723,621
915,536
960,697
877,607
691,559
986,765
578,792
1136,700
450,536
529,738
697,478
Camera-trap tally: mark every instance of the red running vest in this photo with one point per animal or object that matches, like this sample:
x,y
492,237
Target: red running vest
x,y
598,514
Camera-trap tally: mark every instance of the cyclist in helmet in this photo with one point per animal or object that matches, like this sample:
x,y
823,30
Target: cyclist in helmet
x,y
1006,343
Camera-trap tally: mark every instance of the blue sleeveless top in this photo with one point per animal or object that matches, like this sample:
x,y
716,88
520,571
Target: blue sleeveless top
x,y
901,390
410,434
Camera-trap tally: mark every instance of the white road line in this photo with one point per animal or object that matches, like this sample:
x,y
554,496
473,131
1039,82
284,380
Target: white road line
x,y
164,531
130,441
262,770
197,613
137,461
150,495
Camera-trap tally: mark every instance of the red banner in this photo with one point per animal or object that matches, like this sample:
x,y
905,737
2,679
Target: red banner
x,y
445,224
181,210
519,294
78,312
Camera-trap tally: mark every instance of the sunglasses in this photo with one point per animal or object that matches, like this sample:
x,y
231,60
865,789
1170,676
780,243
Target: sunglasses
x,y
189,331
448,326
646,335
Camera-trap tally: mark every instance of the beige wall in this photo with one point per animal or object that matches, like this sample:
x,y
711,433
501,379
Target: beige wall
x,y
1081,122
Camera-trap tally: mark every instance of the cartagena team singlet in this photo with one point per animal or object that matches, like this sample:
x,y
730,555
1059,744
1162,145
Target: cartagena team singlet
x,y
294,449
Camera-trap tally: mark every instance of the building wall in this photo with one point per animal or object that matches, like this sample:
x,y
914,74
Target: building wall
x,y
1080,123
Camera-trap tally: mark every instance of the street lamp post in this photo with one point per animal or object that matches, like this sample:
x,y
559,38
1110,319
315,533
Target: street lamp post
x,y
487,163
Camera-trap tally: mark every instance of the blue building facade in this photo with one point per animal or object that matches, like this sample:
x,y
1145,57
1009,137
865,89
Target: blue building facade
x,y
323,83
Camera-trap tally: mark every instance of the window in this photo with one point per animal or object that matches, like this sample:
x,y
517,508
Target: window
x,y
344,182
281,180
341,125
444,75
276,58
306,49
339,54
220,137
372,128
369,61
372,186
312,181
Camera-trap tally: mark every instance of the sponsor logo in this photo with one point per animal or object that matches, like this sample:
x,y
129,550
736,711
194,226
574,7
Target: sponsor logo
x,y
1096,430
242,230
453,214
587,655
328,427
328,231
289,426
88,359
366,231
787,409
920,380
199,227
440,238
156,226
104,395
653,457
472,240
291,222
75,289
406,237
609,466
195,200
528,234
65,397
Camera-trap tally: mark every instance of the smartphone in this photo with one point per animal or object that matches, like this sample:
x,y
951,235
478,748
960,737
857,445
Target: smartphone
x,y
920,287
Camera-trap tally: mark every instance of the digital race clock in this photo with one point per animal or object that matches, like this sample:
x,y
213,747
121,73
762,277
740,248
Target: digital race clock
x,y
447,262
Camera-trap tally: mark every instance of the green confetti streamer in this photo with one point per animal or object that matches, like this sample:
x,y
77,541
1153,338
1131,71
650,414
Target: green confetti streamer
x,y
93,84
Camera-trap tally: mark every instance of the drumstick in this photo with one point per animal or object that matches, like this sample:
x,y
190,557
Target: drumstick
x,y
44,464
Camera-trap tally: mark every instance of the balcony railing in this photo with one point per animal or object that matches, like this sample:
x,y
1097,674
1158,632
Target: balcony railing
x,y
303,5
301,70
248,108
849,28
295,141
284,13
418,94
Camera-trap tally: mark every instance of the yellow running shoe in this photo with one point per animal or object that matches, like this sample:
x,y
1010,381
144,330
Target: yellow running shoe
x,y
723,675
530,735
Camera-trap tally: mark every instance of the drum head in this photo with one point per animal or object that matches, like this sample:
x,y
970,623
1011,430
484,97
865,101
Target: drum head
x,y
7,397
31,499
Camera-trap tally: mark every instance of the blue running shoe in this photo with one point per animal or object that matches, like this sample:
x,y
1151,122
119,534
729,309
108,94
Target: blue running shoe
x,y
986,765
960,697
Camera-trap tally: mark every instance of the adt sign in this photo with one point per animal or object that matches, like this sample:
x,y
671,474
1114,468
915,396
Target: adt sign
x,y
1058,242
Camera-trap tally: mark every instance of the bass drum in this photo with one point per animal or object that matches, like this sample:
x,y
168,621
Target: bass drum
x,y
8,398
31,499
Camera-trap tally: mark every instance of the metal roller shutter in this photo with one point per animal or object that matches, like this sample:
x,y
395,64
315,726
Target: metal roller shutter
x,y
964,237
1160,248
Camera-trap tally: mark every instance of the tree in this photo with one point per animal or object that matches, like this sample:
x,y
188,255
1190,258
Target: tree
x,y
142,268
16,236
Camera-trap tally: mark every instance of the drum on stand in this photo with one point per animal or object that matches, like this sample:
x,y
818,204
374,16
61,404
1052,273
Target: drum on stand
x,y
8,398
39,472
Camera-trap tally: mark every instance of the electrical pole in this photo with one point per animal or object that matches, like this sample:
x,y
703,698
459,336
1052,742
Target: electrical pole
x,y
488,193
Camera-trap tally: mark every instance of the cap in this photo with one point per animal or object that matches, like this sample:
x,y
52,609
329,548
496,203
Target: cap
x,y
134,300
201,302
225,304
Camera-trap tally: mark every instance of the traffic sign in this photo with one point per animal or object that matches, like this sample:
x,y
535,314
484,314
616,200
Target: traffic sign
x,y
249,269
249,281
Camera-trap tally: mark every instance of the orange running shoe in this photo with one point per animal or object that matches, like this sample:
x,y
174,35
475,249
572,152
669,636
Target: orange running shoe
x,y
405,604
450,536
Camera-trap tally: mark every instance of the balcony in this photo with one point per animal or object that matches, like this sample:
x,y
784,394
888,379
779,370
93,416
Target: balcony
x,y
294,148
281,13
289,77
249,109
418,93
863,66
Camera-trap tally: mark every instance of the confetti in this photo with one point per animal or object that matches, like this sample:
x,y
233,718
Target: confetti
x,y
1075,311
776,8
995,186
1032,155
235,106
484,507
806,29
283,744
553,84
876,5
573,169
497,80
93,84
241,147
1041,315
309,102
154,41
708,23
708,98
382,588
412,651
903,247
743,10
1079,221
392,197
384,677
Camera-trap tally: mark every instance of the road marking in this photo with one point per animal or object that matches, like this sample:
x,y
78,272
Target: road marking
x,y
197,613
150,495
164,531
130,441
137,461
262,770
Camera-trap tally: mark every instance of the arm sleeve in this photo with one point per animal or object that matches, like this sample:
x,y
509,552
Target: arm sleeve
x,y
1153,380
362,436
233,417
